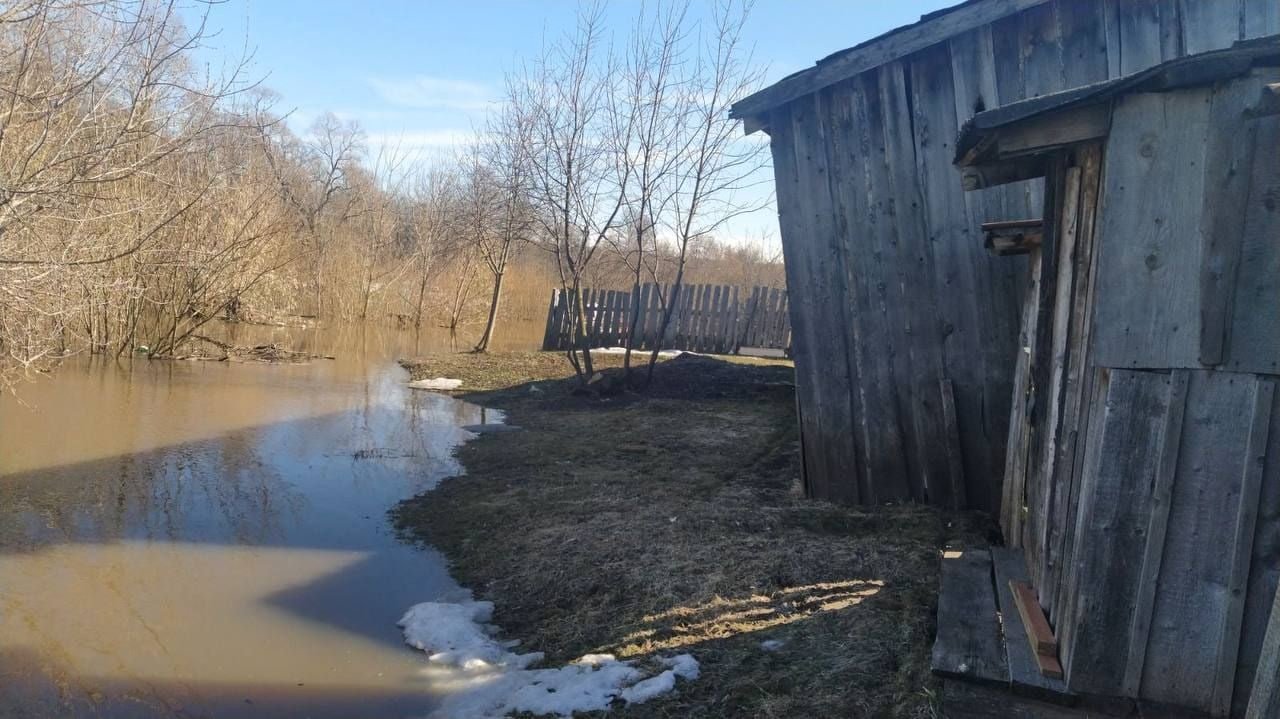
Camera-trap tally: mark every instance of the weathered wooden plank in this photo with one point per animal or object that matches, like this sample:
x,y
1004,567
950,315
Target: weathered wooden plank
x,y
1024,673
964,700
749,319
815,273
1246,520
1077,379
1052,393
1065,488
957,262
1194,600
1113,519
1157,525
955,454
1228,172
1014,500
1041,368
1085,53
881,51
1057,129
1254,340
1260,18
1138,38
859,189
1209,24
704,312
968,644
640,316
1264,569
1148,303
1040,40
1000,283
1264,699
548,333
1039,636
916,270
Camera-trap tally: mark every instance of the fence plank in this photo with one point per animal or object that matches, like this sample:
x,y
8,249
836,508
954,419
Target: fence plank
x,y
704,318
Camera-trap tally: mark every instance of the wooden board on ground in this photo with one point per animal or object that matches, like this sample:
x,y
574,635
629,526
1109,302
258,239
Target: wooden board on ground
x,y
1024,674
968,644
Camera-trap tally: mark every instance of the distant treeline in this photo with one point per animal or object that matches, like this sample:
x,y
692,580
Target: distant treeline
x,y
141,198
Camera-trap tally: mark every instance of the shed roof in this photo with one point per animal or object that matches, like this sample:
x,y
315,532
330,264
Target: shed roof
x,y
899,42
974,145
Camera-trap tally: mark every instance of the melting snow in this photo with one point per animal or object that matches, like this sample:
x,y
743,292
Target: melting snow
x,y
437,383
458,635
635,352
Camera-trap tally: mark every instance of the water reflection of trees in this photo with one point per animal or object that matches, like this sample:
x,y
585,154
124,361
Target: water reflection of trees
x,y
218,490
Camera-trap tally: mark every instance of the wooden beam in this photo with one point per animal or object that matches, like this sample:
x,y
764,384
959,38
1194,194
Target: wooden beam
x,y
1054,129
1013,237
1038,632
1024,671
884,49
982,176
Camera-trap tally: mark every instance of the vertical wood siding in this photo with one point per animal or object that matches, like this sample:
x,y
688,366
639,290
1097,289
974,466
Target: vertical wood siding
x,y
893,298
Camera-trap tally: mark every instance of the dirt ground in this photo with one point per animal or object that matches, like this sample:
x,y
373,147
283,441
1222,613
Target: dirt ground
x,y
672,521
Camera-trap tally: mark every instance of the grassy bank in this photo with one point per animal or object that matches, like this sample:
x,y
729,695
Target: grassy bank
x,y
673,522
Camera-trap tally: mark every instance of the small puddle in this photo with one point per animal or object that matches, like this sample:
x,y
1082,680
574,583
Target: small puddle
x,y
210,539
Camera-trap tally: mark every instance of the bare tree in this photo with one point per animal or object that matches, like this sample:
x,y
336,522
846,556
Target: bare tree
x,y
100,112
578,175
502,163
714,165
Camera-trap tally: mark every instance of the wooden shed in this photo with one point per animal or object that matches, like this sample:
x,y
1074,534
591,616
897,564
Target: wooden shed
x,y
1142,487
904,330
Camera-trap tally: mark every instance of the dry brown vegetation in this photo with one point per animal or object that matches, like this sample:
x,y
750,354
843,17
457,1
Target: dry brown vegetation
x,y
606,526
142,197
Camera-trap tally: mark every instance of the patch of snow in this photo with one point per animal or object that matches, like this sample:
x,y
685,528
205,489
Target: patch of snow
x,y
643,691
684,666
497,682
771,645
636,352
437,383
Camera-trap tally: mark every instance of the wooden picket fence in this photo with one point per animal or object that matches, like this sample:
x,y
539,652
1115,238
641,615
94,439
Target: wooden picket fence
x,y
709,318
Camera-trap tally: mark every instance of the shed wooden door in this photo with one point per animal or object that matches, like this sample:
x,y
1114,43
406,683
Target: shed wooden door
x,y
1053,377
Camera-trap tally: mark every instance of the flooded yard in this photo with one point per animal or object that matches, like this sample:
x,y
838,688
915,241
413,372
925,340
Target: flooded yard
x,y
210,538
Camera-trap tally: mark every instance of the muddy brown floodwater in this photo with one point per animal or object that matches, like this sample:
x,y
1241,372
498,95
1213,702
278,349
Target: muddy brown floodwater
x,y
210,539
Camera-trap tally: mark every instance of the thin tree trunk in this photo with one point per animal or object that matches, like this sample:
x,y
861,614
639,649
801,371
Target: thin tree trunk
x,y
483,344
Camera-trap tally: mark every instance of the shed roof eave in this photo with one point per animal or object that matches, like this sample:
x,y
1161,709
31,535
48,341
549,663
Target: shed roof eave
x,y
931,29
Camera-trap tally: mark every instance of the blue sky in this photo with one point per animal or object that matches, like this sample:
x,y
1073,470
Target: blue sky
x,y
420,74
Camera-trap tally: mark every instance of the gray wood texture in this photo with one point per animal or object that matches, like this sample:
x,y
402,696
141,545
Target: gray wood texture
x,y
1195,603
706,319
1010,565
1264,700
1149,296
882,50
920,302
968,644
1172,296
1109,543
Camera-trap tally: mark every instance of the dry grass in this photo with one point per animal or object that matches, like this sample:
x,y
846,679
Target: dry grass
x,y
672,522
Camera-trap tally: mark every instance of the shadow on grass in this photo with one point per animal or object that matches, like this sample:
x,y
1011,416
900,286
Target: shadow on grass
x,y
671,521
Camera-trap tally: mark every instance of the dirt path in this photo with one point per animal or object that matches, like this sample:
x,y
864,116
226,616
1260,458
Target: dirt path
x,y
673,521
